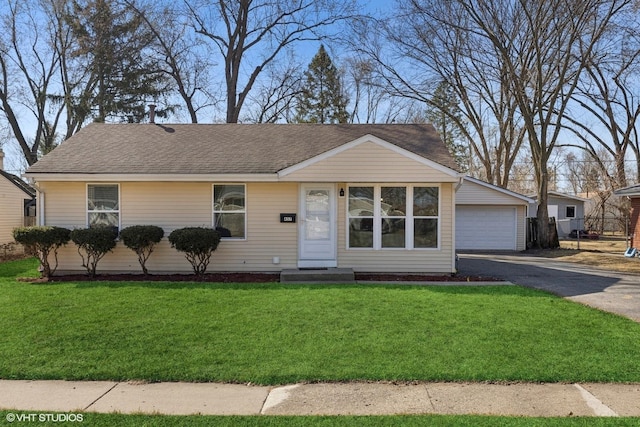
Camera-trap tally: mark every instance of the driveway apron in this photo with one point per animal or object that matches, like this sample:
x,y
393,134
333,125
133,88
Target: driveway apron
x,y
609,291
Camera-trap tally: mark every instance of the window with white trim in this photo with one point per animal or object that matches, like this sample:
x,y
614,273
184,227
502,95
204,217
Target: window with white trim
x,y
570,212
361,217
230,210
425,217
393,217
103,205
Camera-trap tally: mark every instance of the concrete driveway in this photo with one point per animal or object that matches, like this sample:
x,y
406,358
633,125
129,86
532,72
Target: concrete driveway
x,y
609,291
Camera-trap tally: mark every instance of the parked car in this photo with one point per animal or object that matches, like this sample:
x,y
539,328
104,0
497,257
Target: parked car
x,y
584,234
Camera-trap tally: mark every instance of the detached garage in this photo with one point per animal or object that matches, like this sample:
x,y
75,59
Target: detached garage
x,y
489,217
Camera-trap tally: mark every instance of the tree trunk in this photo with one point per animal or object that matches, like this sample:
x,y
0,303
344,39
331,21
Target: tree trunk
x,y
544,237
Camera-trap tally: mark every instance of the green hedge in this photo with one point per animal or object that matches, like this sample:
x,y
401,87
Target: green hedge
x,y
93,243
142,239
42,241
198,243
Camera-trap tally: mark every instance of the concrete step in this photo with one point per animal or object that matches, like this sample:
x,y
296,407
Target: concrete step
x,y
327,275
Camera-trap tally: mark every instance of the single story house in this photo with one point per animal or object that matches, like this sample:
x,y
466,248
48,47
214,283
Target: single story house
x,y
568,211
633,193
374,198
490,218
17,203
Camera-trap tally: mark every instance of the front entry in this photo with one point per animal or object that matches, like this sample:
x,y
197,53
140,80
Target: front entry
x,y
317,245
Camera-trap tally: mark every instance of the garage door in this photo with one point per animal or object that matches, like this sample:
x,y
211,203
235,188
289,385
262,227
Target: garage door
x,y
485,227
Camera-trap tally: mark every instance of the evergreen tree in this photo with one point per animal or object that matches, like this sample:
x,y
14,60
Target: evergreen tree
x,y
321,99
444,113
113,41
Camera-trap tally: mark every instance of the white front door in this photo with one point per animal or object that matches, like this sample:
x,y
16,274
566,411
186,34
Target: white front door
x,y
317,230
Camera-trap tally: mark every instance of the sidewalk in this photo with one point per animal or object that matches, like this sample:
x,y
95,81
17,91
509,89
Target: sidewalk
x,y
520,399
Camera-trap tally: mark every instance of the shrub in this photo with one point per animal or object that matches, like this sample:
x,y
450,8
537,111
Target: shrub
x,y
198,243
142,239
41,241
93,243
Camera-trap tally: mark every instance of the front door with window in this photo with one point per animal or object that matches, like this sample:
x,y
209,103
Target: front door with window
x,y
317,229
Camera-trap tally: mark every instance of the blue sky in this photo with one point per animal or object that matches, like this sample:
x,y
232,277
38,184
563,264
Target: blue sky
x,y
14,162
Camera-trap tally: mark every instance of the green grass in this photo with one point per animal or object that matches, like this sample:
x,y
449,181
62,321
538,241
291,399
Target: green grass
x,y
109,420
276,334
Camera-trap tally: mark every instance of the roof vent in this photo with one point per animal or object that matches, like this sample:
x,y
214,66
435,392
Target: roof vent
x,y
152,113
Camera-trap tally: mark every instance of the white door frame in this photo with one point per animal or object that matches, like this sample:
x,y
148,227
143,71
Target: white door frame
x,y
321,253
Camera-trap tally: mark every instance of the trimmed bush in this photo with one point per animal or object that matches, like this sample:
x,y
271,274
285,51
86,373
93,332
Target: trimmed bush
x,y
93,243
142,239
198,243
41,241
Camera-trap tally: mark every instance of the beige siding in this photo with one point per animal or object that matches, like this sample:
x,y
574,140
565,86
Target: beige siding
x,y
175,205
521,236
65,204
419,260
471,193
368,162
266,236
11,209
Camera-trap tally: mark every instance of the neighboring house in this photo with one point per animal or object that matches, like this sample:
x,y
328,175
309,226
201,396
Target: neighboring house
x,y
376,198
633,193
568,211
17,203
489,217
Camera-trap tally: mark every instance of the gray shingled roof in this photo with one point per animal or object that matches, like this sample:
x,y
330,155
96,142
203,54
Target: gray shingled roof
x,y
632,190
221,148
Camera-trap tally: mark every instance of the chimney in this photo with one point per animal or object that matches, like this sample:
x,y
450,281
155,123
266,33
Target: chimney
x,y
1,160
152,113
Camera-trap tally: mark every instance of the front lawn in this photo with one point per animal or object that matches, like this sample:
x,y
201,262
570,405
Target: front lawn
x,y
275,334
108,420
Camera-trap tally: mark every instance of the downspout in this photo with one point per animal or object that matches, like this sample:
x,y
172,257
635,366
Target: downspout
x,y
39,204
453,223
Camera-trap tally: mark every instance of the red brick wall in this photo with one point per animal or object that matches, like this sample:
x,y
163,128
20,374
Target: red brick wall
x,y
634,223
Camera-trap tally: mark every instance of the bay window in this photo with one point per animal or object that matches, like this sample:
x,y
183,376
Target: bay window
x,y
361,217
425,217
393,206
393,217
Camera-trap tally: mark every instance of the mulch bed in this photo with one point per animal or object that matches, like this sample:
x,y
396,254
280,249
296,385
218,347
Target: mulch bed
x,y
259,278
246,277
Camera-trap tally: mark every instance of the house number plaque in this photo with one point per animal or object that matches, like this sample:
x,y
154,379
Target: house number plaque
x,y
288,217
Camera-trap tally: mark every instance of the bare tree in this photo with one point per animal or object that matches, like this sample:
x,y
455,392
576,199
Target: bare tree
x,y
584,174
183,57
273,98
431,45
609,93
371,101
251,34
586,178
29,63
521,175
544,47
